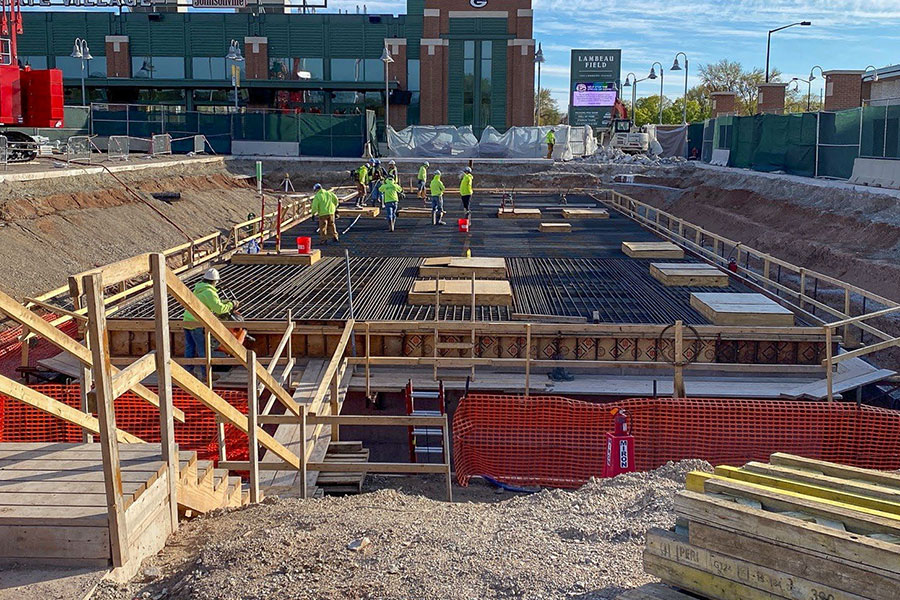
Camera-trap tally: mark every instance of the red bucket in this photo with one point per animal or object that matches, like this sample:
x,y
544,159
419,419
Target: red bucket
x,y
463,225
304,244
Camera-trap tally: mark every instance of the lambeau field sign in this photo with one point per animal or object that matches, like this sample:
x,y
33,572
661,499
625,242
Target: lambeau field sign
x,y
594,78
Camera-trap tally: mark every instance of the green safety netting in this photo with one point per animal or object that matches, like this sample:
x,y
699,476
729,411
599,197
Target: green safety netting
x,y
695,138
878,137
838,143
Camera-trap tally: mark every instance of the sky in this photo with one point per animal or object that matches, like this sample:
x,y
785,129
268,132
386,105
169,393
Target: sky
x,y
845,34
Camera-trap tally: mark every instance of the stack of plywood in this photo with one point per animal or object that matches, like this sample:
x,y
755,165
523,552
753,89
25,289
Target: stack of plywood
x,y
461,266
343,483
793,528
741,309
458,292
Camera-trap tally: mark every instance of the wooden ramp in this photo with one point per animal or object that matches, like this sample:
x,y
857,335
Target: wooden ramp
x,y
343,483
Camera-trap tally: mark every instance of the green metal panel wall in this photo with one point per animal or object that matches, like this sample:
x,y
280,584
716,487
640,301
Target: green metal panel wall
x,y
206,35
35,41
63,32
486,28
98,27
498,84
455,84
137,28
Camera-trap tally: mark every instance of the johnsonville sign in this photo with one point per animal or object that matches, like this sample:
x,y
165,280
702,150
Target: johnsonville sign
x,y
594,77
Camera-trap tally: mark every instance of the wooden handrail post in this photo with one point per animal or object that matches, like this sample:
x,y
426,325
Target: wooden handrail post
x,y
302,455
109,449
829,368
252,423
335,405
802,287
368,365
164,381
290,342
86,382
847,312
207,354
678,391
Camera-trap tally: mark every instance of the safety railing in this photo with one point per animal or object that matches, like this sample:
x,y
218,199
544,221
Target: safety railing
x,y
118,147
79,148
832,360
160,145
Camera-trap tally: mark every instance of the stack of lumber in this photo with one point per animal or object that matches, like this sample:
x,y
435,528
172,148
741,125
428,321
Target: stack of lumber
x,y
343,483
794,528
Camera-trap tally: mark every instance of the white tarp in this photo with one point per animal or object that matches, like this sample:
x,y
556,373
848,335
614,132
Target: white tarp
x,y
516,142
433,141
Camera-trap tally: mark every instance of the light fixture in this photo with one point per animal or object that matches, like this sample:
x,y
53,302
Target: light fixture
x,y
539,55
147,66
304,75
386,56
76,50
234,52
675,65
627,81
652,74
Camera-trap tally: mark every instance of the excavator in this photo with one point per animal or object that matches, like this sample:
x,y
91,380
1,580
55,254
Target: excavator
x,y
624,135
28,97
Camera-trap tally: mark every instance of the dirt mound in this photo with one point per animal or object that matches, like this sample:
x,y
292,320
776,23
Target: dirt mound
x,y
553,544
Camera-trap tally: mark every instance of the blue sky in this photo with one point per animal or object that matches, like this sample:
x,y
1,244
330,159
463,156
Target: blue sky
x,y
845,34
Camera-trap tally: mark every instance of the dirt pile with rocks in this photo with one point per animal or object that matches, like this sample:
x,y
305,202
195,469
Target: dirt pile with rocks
x,y
389,545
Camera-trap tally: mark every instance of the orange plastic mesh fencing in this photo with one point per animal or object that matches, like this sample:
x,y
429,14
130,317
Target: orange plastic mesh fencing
x,y
559,442
22,423
11,347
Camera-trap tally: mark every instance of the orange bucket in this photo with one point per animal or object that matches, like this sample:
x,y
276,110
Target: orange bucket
x,y
304,245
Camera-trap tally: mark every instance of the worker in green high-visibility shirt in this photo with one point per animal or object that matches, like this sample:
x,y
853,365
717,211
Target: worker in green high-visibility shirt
x,y
422,178
194,333
362,178
465,190
437,199
550,138
324,205
390,190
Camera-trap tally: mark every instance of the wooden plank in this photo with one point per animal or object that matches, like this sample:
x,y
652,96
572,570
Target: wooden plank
x,y
861,488
11,500
47,486
373,467
252,428
652,250
741,309
228,413
266,258
827,569
113,273
46,404
56,309
519,213
885,478
550,227
374,420
654,591
688,275
701,582
585,213
54,541
133,374
229,343
458,292
102,372
788,531
452,266
354,211
676,548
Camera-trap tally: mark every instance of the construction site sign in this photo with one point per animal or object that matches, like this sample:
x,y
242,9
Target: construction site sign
x,y
594,81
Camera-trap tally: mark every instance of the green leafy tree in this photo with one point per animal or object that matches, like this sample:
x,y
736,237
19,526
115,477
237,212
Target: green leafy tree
x,y
550,113
731,76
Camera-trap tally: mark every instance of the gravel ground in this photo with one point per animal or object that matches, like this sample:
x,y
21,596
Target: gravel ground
x,y
583,544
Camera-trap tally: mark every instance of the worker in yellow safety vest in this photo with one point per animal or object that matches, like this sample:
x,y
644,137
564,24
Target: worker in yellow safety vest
x,y
324,205
194,333
422,178
437,199
362,178
390,190
550,138
465,190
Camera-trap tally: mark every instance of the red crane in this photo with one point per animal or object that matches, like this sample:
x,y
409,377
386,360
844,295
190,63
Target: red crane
x,y
28,97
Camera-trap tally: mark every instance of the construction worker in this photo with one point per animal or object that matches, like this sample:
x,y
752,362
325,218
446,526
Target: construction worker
x,y
422,178
377,176
550,138
194,333
392,172
362,178
465,190
390,190
437,199
324,205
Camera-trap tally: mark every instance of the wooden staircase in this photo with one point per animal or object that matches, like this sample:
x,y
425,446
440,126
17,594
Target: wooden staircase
x,y
203,488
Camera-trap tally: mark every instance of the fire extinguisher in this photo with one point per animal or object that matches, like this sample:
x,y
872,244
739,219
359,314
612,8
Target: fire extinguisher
x,y
732,265
620,421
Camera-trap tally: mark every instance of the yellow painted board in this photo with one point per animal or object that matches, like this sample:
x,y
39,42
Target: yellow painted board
x,y
285,258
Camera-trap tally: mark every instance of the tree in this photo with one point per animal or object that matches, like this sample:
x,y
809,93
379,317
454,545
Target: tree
x,y
550,113
795,99
730,76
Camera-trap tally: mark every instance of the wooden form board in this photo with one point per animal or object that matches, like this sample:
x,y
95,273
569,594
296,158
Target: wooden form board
x,y
796,528
688,275
285,258
458,292
555,227
460,266
652,250
355,211
519,213
741,309
585,213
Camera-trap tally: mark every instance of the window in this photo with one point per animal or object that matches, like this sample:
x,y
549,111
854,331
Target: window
x,y
210,96
36,62
212,67
469,83
290,68
70,67
346,69
158,67
412,75
374,69
96,67
72,95
161,96
485,76
476,83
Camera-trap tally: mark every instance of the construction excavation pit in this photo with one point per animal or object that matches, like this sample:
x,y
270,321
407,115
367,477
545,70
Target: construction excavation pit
x,y
583,387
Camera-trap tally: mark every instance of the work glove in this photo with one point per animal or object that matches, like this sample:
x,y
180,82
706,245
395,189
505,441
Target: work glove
x,y
235,304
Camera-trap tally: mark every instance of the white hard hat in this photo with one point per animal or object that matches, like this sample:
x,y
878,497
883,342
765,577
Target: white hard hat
x,y
393,163
211,275
426,163
438,172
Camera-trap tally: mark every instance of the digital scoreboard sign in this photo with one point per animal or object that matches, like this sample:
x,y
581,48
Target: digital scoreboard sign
x,y
594,78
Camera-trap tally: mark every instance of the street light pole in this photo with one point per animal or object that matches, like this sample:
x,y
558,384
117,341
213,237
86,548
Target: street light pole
x,y
811,77
652,75
81,51
633,86
234,55
808,83
539,60
677,67
386,59
769,41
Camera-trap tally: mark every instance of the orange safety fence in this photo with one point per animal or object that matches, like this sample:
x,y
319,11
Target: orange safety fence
x,y
559,442
11,347
22,423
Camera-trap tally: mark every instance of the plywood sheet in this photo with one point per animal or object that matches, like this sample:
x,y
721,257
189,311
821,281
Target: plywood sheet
x,y
519,213
688,274
585,213
488,292
460,266
285,258
354,211
652,250
555,227
741,309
